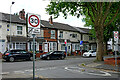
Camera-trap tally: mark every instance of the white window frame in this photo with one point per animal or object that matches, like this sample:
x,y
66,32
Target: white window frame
x,y
77,47
20,30
52,47
20,45
61,34
52,34
63,49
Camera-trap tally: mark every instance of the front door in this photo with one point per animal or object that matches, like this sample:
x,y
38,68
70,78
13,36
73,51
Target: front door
x,y
46,47
40,47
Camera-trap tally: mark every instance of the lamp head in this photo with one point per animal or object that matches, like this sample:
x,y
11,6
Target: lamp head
x,y
13,2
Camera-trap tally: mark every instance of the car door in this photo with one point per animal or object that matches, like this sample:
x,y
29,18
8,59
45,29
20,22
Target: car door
x,y
16,54
93,53
25,54
53,55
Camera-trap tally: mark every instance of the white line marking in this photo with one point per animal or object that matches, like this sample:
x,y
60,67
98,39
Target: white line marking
x,y
104,73
19,72
4,73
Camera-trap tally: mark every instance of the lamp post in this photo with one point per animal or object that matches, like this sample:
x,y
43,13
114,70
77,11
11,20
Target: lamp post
x,y
10,25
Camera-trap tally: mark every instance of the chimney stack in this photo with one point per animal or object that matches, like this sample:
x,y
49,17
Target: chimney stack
x,y
22,14
50,20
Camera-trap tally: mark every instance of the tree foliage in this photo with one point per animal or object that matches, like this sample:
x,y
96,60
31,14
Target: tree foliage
x,y
98,14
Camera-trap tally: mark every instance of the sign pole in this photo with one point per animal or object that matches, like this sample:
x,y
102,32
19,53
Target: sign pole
x,y
33,28
116,56
116,38
81,43
33,56
66,47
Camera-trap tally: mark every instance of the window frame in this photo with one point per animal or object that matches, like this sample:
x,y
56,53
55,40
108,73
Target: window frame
x,y
52,34
19,31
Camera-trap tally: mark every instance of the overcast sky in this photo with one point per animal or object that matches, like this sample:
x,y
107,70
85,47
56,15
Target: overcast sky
x,y
37,7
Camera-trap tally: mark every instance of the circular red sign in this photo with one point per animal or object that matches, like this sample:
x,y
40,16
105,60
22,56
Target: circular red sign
x,y
31,23
116,34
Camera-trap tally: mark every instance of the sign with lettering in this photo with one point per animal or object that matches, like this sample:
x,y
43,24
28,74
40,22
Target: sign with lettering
x,y
33,23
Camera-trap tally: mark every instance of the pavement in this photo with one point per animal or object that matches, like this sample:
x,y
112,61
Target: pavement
x,y
99,64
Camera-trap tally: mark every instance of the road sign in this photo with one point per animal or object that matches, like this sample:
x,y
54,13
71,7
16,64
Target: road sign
x,y
65,41
81,42
116,37
33,23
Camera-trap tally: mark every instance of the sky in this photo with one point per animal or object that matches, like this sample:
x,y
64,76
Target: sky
x,y
37,7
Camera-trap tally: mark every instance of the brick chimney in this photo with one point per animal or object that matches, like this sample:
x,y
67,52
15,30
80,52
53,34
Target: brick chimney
x,y
50,20
22,14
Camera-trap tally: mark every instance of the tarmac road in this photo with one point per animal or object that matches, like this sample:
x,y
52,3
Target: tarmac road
x,y
54,69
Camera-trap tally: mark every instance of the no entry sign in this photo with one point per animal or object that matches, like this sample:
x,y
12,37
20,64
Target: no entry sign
x,y
33,23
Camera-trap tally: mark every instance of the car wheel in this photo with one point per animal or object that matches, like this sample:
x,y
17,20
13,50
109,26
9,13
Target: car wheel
x,y
48,58
31,58
90,55
62,57
11,59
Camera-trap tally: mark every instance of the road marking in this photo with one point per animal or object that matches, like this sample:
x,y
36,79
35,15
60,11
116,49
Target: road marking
x,y
39,69
82,70
4,73
18,72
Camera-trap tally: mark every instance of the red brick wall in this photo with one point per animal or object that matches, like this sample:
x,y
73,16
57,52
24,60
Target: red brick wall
x,y
47,35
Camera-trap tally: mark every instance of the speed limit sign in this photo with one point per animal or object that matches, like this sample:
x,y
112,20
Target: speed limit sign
x,y
33,23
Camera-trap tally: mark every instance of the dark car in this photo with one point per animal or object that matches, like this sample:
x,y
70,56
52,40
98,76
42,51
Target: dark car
x,y
53,55
13,55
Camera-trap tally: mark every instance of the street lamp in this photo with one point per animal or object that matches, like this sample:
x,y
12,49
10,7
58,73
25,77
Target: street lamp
x,y
10,25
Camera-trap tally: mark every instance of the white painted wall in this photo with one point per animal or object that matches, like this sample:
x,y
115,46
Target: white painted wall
x,y
4,32
66,35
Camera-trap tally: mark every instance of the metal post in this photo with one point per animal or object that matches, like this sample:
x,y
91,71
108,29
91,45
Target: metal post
x,y
66,49
10,26
116,55
33,56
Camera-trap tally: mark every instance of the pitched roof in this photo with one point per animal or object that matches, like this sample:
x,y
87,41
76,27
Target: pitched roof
x,y
83,30
57,25
14,18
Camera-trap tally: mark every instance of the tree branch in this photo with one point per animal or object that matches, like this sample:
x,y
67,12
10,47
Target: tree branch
x,y
93,10
112,18
106,12
90,15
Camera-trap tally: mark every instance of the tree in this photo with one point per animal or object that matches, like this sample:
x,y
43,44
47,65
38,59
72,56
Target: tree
x,y
98,14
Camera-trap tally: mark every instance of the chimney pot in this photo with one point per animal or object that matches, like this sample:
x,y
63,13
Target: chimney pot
x,y
22,14
50,20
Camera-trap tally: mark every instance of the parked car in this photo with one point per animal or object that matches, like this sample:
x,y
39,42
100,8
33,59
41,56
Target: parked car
x,y
53,55
13,55
90,53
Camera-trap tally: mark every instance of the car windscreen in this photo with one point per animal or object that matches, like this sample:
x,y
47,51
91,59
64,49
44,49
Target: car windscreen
x,y
49,53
